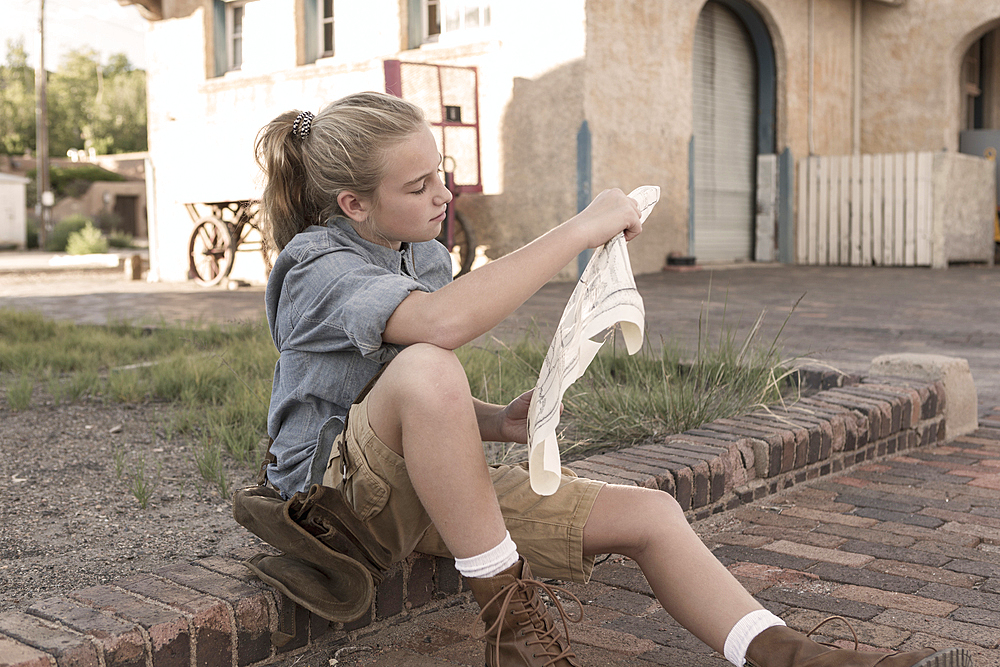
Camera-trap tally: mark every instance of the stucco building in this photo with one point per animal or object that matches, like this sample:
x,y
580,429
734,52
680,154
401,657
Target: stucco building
x,y
579,95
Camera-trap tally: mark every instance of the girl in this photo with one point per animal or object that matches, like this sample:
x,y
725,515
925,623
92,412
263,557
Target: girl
x,y
353,199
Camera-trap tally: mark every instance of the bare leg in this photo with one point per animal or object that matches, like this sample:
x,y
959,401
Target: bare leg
x,y
691,584
422,409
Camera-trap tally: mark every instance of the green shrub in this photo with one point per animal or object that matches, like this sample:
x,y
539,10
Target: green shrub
x,y
32,240
59,236
120,240
87,241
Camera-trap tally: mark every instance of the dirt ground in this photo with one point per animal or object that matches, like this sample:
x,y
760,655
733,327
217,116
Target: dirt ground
x,y
70,516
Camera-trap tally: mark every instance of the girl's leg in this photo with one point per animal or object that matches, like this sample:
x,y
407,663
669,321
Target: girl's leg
x,y
422,409
690,583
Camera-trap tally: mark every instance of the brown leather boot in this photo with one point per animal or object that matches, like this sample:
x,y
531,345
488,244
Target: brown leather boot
x,y
519,629
780,646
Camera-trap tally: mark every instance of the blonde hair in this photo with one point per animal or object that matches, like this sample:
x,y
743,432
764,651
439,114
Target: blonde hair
x,y
346,149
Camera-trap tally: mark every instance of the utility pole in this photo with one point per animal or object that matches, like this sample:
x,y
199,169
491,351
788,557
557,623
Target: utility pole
x,y
45,198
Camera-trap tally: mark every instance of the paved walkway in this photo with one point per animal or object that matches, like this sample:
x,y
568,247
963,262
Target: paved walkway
x,y
907,547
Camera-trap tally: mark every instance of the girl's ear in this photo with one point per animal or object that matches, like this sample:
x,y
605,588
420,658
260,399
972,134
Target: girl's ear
x,y
355,208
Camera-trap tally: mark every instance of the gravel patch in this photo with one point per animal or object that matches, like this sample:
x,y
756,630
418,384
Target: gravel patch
x,y
69,512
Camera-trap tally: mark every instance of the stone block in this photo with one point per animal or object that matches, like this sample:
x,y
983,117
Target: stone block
x,y
960,402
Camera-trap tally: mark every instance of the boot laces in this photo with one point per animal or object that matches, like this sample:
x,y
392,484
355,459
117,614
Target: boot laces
x,y
857,644
826,620
547,637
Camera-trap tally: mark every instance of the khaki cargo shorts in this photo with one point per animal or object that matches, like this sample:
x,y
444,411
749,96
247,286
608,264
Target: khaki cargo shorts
x,y
548,530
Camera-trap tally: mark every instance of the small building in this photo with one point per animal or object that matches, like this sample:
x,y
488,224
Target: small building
x,y
809,131
13,213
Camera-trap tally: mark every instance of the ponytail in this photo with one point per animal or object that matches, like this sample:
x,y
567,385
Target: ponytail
x,y
344,148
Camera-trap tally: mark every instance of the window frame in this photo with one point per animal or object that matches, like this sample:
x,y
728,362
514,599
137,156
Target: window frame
x,y
321,22
231,36
462,9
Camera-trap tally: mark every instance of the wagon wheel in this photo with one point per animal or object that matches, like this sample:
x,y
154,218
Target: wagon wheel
x,y
464,242
211,251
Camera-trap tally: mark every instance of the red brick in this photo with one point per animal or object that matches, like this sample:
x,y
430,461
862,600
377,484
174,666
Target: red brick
x,y
16,654
168,630
122,643
987,482
935,575
819,553
873,418
601,473
67,647
892,600
209,617
888,411
253,613
252,602
420,581
636,464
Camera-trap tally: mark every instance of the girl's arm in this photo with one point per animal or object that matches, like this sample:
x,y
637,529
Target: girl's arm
x,y
499,423
475,303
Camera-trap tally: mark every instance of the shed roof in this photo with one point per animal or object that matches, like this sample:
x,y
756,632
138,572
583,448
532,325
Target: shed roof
x,y
13,178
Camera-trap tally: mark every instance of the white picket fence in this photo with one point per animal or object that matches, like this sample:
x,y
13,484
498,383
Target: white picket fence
x,y
865,209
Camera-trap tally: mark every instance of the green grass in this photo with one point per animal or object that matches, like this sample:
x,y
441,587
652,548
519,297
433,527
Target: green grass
x,y
218,378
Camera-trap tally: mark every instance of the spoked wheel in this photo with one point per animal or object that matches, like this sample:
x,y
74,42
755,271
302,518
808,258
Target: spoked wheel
x,y
211,251
463,242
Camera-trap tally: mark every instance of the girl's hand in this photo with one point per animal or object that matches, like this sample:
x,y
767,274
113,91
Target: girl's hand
x,y
611,212
512,424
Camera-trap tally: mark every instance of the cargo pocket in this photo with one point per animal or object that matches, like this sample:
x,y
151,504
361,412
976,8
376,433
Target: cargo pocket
x,y
364,490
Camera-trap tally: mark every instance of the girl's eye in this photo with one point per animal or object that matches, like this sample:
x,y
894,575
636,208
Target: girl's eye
x,y
423,186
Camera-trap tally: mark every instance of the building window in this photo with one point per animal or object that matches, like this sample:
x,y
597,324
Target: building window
x,y
326,28
444,18
234,34
432,20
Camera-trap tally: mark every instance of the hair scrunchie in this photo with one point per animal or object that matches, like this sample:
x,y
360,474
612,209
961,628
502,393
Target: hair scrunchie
x,y
302,124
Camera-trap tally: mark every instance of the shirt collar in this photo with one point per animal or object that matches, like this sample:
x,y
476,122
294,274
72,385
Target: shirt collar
x,y
396,260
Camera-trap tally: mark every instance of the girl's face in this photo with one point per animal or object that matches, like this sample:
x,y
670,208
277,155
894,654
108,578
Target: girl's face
x,y
412,199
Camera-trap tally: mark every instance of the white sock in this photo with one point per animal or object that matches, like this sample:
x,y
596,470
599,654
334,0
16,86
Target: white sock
x,y
744,632
491,563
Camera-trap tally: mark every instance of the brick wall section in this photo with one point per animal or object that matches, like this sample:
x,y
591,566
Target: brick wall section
x,y
213,613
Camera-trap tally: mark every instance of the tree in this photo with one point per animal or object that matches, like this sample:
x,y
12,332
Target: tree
x,y
117,121
91,105
17,101
72,90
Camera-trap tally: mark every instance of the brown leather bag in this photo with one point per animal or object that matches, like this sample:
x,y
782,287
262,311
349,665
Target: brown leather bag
x,y
330,563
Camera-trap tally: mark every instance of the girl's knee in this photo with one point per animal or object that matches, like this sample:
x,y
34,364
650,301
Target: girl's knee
x,y
426,372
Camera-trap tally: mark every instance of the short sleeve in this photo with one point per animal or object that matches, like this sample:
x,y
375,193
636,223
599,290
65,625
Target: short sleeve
x,y
338,300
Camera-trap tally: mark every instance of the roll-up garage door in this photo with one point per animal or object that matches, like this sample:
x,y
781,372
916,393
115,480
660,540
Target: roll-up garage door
x,y
725,137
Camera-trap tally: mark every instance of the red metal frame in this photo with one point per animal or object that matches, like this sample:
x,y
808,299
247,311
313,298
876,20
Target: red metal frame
x,y
394,86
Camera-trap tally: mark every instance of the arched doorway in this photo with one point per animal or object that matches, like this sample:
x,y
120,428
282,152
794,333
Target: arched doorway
x,y
733,98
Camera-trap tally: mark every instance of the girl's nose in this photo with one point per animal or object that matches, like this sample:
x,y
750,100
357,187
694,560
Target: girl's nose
x,y
445,194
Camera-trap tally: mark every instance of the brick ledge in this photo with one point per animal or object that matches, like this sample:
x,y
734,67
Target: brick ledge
x,y
213,613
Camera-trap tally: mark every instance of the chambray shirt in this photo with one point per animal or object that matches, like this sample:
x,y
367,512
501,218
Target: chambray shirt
x,y
328,298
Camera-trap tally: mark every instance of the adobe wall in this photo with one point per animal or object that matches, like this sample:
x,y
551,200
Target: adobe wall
x,y
639,102
912,56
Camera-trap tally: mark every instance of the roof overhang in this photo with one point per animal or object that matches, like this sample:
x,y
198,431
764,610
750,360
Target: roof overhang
x,y
151,10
